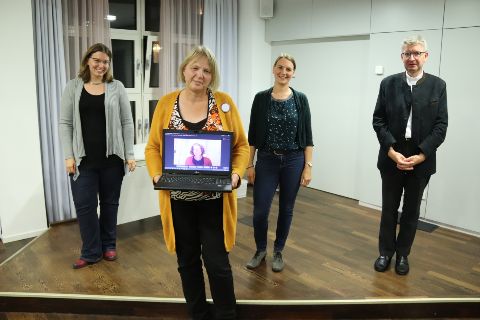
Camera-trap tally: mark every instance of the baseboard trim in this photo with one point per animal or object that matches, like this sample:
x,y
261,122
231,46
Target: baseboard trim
x,y
411,308
21,236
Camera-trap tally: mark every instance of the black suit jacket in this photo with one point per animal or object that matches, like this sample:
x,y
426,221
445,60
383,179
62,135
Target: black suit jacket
x,y
428,102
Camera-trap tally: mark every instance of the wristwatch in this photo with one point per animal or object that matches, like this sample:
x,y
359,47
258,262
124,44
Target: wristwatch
x,y
308,163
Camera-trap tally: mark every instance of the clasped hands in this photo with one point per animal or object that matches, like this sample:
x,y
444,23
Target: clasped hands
x,y
404,163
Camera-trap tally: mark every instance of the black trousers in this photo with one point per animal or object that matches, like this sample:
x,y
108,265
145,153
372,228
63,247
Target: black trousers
x,y
199,234
394,184
99,233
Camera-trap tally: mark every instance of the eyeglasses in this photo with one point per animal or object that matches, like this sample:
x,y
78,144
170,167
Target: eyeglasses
x,y
415,54
98,61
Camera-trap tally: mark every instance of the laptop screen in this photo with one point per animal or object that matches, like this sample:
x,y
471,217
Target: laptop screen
x,y
199,151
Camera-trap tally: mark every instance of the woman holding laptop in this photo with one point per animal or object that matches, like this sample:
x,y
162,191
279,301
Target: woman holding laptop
x,y
200,225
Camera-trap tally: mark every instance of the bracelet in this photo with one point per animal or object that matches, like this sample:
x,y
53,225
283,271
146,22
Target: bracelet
x,y
250,166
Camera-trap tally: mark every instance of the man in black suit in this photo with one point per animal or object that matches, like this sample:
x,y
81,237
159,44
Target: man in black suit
x,y
410,120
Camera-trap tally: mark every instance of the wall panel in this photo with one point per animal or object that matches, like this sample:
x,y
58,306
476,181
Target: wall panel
x,y
406,15
332,75
384,50
462,13
340,18
453,197
291,20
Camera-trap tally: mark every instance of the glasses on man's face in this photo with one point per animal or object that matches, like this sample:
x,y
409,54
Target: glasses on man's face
x,y
98,61
415,54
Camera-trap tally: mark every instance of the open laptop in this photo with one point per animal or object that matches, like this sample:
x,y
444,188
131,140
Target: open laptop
x,y
196,160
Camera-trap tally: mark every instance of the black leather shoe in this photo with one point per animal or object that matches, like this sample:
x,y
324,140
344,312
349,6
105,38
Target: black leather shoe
x,y
401,266
382,263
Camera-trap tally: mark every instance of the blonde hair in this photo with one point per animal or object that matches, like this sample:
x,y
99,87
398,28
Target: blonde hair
x,y
197,52
414,40
84,71
288,57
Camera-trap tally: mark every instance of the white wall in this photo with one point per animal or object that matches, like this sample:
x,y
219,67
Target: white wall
x,y
385,49
332,75
254,61
336,55
309,19
453,195
332,60
22,204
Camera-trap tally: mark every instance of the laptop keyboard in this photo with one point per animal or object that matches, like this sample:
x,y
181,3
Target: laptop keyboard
x,y
194,179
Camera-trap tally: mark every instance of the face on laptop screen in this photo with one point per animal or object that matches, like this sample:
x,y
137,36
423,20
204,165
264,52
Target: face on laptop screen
x,y
199,151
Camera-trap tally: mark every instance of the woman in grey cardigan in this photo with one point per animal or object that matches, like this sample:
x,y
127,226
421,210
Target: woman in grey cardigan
x,y
96,130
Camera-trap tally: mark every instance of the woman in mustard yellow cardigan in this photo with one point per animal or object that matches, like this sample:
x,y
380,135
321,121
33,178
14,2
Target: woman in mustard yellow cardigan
x,y
200,224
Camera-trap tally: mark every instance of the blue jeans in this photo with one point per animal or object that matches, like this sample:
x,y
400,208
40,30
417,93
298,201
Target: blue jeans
x,y
271,171
98,233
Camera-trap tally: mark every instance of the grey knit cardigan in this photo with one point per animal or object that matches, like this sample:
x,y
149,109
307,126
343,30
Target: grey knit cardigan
x,y
118,116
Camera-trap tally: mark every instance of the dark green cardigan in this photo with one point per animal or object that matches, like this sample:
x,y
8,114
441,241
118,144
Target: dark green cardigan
x,y
257,130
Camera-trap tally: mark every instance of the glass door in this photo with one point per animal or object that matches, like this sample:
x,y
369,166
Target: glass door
x,y
151,82
149,104
126,62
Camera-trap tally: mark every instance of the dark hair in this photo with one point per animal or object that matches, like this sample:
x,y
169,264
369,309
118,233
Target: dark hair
x,y
288,57
84,72
197,144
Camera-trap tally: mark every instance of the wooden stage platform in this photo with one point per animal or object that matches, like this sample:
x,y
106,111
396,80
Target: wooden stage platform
x,y
329,271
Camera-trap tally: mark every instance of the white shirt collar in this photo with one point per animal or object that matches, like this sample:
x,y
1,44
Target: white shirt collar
x,y
413,80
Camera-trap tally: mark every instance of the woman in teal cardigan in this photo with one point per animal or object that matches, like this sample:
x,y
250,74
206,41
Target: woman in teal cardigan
x,y
280,129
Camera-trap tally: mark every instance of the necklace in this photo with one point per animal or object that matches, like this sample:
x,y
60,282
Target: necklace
x,y
96,83
281,94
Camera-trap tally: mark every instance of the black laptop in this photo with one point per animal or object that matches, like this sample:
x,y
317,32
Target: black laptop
x,y
196,160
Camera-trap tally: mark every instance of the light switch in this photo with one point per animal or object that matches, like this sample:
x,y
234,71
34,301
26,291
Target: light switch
x,y
379,70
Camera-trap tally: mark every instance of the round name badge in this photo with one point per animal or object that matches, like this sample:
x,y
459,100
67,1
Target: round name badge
x,y
225,107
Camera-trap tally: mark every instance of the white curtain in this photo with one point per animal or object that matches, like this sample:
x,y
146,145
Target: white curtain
x,y
63,31
180,31
84,24
220,34
51,79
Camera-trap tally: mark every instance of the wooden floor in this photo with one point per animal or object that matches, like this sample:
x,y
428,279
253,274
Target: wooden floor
x,y
7,250
329,256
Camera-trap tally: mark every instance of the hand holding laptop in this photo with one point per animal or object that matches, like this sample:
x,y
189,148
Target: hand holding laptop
x,y
197,174
235,181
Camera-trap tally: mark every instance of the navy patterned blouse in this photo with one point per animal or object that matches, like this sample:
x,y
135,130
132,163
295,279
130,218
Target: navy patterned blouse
x,y
282,124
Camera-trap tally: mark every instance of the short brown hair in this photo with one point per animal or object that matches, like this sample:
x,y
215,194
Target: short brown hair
x,y
197,52
84,72
197,144
288,57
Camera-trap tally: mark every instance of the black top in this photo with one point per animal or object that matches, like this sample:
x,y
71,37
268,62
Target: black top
x,y
190,125
195,126
94,132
